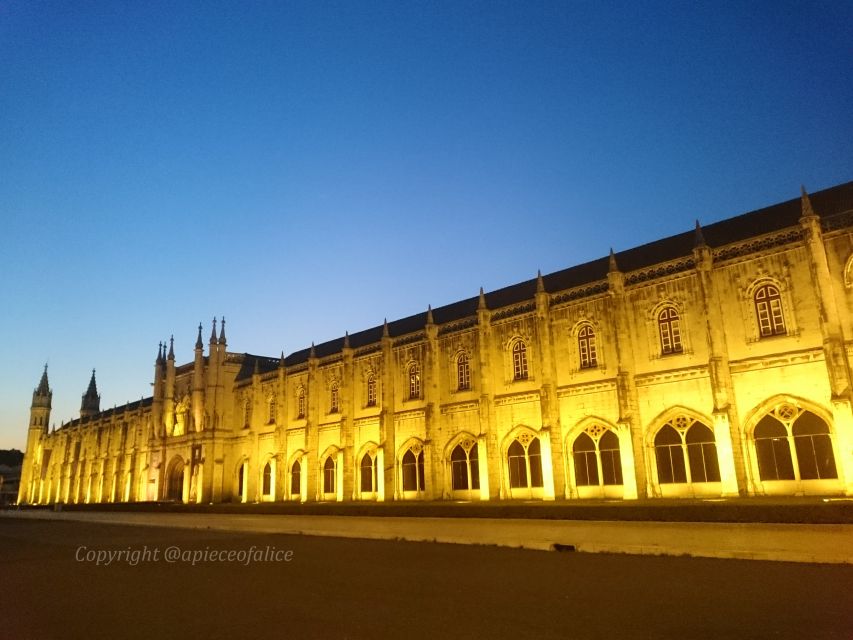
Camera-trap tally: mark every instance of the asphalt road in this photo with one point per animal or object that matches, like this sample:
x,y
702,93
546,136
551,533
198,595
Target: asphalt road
x,y
346,588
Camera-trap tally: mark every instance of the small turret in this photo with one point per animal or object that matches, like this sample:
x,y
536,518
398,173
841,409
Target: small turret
x,y
198,343
699,238
91,404
213,339
222,333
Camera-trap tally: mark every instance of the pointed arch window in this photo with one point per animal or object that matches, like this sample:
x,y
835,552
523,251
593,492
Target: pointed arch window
x,y
414,478
465,466
463,373
300,402
768,311
267,479
296,478
368,473
597,458
329,475
414,381
519,360
669,326
524,458
812,457
685,452
586,347
371,390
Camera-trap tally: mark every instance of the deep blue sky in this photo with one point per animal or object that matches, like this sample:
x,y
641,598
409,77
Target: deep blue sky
x,y
309,168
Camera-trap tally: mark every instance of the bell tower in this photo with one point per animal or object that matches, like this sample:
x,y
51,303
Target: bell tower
x,y
39,418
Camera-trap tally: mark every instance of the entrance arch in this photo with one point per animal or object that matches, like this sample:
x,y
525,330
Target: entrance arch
x,y
175,481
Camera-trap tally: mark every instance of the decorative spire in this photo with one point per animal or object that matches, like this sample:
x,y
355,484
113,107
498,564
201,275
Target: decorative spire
x,y
481,304
700,237
257,366
385,333
171,347
312,353
43,390
806,204
160,356
429,319
613,265
281,361
198,343
346,340
213,332
221,331
91,400
540,284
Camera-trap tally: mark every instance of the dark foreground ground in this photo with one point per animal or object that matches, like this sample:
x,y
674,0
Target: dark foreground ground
x,y
336,588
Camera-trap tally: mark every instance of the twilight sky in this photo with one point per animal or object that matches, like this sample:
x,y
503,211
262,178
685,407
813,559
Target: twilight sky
x,y
313,167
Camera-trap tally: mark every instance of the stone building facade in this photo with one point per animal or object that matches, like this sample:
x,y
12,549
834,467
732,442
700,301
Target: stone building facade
x,y
711,363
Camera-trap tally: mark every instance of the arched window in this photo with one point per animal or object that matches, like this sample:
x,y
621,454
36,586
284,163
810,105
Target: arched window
x,y
329,475
702,454
815,459
267,479
413,471
334,398
300,402
772,450
247,413
768,311
463,373
271,410
241,482
524,458
686,451
669,455
586,347
296,478
586,462
519,360
465,466
670,331
414,381
597,458
371,390
368,473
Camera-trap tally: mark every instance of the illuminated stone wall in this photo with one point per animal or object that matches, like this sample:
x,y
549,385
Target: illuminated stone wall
x,y
723,371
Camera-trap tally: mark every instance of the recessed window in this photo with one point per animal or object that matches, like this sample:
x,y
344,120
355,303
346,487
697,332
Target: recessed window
x,y
334,399
525,463
463,372
271,410
519,360
371,390
329,475
597,462
465,466
368,473
247,413
267,479
669,326
768,310
586,348
414,382
300,403
413,471
685,452
296,478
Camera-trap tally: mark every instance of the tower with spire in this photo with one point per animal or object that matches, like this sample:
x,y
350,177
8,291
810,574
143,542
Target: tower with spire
x,y
40,407
91,404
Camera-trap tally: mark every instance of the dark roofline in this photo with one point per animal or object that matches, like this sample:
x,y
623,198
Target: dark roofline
x,y
107,413
827,202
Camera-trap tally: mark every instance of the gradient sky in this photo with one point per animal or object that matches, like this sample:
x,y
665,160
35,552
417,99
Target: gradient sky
x,y
309,168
